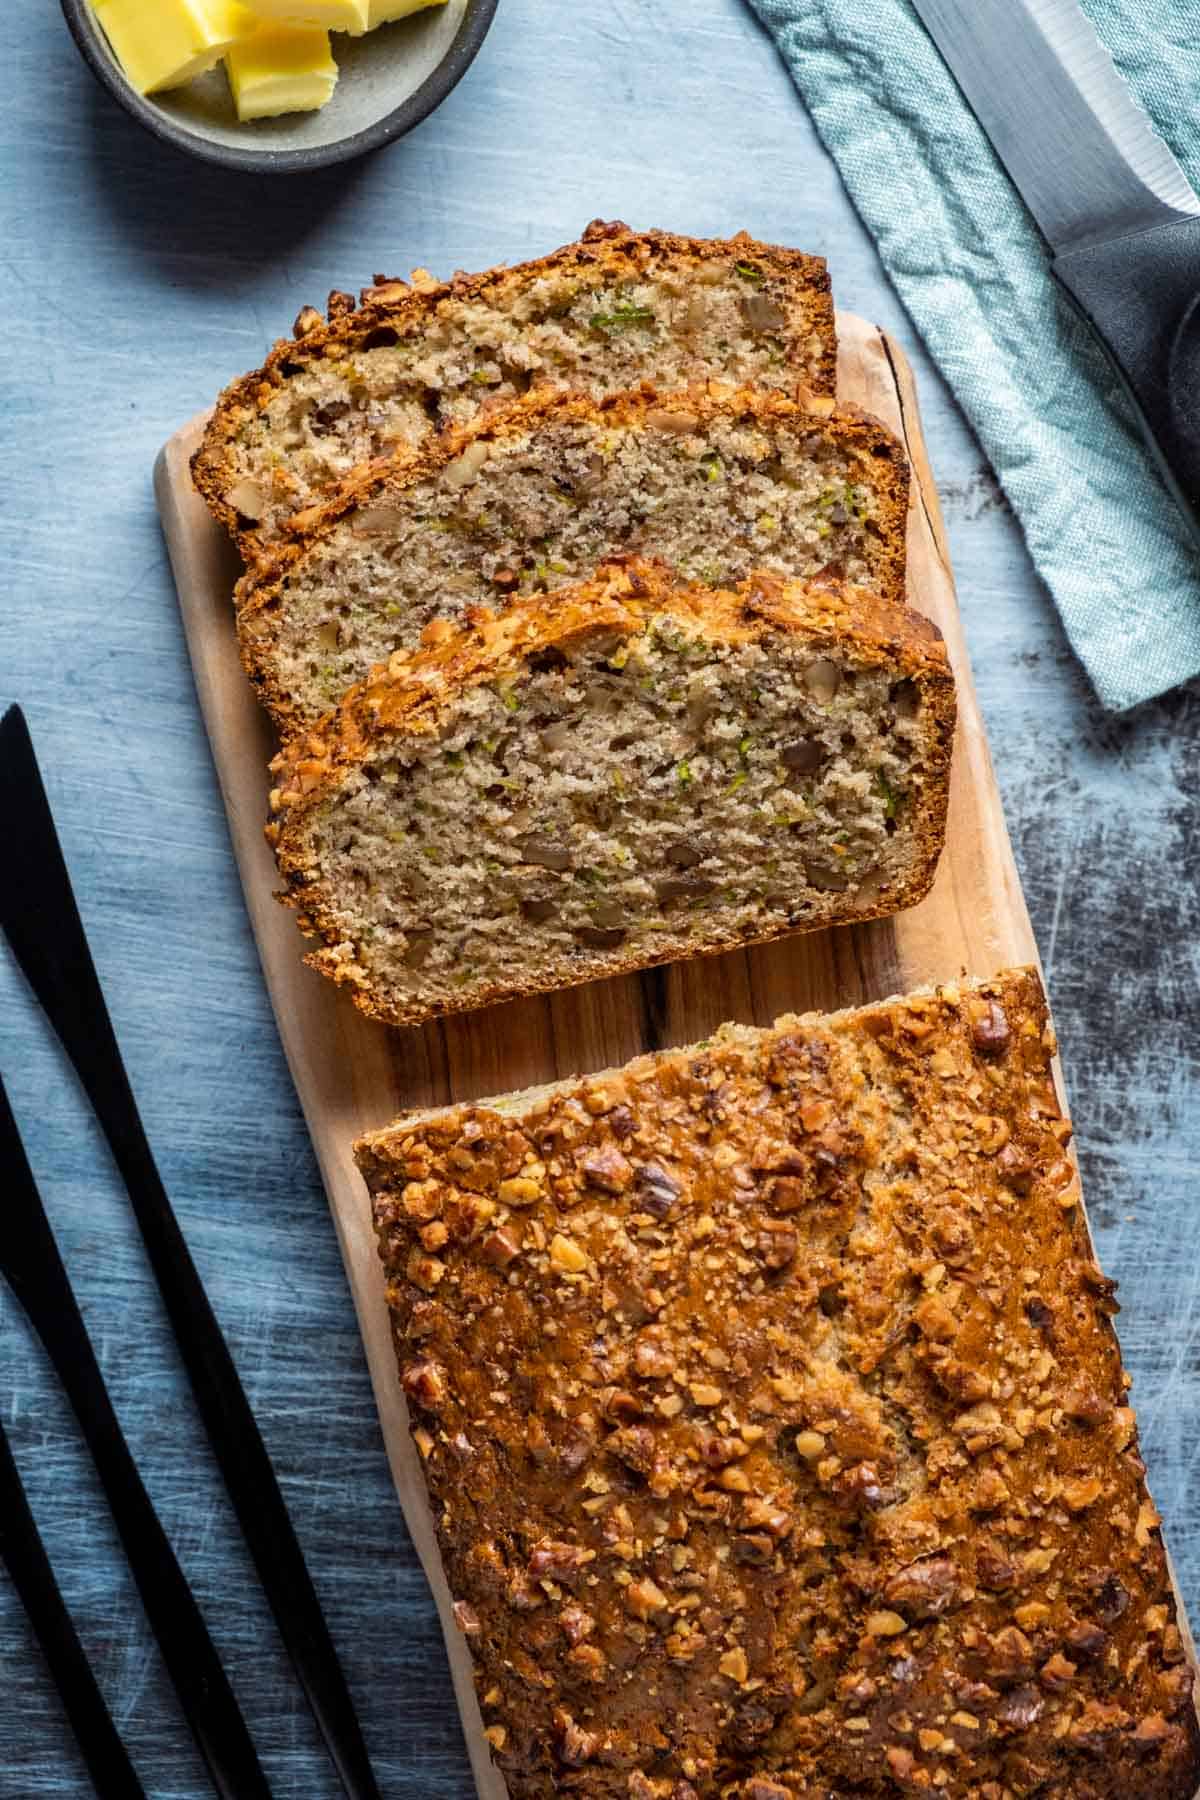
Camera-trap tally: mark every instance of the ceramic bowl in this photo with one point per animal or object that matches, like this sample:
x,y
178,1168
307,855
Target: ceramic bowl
x,y
388,82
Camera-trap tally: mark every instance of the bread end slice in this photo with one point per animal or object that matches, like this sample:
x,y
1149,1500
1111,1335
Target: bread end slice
x,y
602,314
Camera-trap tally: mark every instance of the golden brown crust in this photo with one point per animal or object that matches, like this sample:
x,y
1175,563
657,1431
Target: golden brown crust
x,y
412,695
775,1426
611,250
261,594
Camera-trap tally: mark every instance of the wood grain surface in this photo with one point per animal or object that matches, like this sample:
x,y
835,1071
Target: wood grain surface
x,y
353,1075
134,285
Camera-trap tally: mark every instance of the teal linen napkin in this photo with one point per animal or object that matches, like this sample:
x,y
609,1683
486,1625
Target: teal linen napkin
x,y
973,272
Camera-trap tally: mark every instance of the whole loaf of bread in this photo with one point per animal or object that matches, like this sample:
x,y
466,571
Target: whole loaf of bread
x,y
774,1423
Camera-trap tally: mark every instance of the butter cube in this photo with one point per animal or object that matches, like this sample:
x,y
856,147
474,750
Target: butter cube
x,y
280,70
166,43
382,12
328,15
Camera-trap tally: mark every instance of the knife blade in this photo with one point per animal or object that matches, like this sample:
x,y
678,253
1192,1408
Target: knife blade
x,y
24,1555
1117,210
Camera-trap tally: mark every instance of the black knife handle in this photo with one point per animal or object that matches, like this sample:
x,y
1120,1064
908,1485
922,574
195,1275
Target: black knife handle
x,y
1141,296
34,1270
113,1775
40,918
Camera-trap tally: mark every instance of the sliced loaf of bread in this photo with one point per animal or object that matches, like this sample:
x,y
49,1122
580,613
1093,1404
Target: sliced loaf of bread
x,y
626,773
716,483
617,308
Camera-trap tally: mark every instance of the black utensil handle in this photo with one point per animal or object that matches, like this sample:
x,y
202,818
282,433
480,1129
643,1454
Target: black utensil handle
x,y
40,918
34,1270
1141,296
113,1775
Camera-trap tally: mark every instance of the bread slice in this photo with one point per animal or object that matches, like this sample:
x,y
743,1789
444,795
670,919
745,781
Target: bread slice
x,y
615,309
625,773
774,1423
716,484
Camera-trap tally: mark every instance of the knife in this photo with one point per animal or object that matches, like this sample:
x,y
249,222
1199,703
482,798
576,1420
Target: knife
x,y
24,1555
1119,214
33,1269
40,918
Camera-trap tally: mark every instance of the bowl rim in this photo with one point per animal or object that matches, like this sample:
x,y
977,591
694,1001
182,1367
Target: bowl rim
x,y
86,30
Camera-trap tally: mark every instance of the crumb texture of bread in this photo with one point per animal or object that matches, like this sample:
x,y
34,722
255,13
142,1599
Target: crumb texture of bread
x,y
606,313
625,773
775,1426
717,483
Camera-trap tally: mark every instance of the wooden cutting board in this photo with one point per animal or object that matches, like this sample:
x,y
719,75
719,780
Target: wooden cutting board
x,y
353,1075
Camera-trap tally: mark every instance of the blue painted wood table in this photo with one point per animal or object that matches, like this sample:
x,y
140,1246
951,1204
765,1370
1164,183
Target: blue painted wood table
x,y
134,285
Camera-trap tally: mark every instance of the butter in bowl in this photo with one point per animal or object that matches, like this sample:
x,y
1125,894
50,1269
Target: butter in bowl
x,y
285,85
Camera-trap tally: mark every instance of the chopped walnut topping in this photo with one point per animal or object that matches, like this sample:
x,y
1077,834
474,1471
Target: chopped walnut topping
x,y
1148,1521
576,1623
755,1548
519,1190
991,1491
1097,1724
423,1200
759,1788
1079,1495
425,1383
716,1452
1021,1708
704,1393
652,1356
1015,1167
886,1624
567,1256
575,1746
606,1169
776,1246
656,1190
558,1561
990,1032
1124,1426
645,1599
993,1569
1086,1640
1085,1405
425,1271
635,1446
1151,1733
1058,1673
935,1319
501,1247
925,1590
